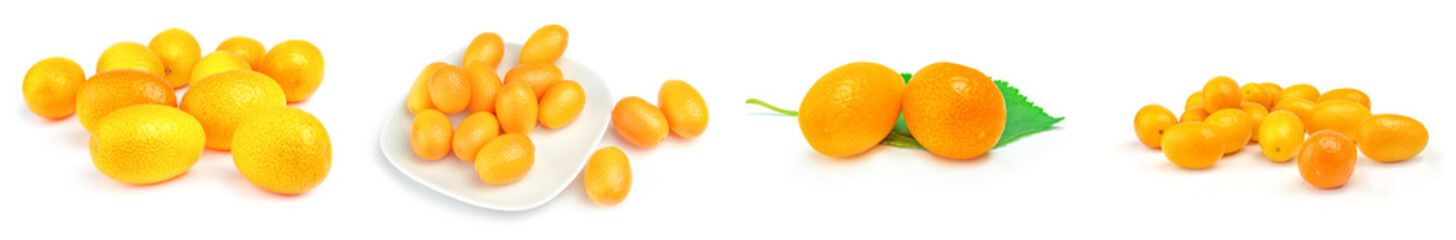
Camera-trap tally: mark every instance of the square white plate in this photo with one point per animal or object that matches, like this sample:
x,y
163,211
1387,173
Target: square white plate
x,y
560,153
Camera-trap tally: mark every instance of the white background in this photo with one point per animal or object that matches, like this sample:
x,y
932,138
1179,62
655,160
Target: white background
x,y
751,174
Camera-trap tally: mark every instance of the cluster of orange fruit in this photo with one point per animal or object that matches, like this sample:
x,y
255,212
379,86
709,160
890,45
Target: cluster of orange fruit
x,y
952,110
237,101
1224,117
683,112
533,92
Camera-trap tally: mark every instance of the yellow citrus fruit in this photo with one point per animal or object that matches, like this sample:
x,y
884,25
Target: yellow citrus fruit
x,y
178,51
217,62
298,67
1297,105
851,108
283,150
954,111
131,55
450,89
545,45
561,103
1193,114
115,89
1150,124
474,131
419,95
1194,100
1282,133
516,107
146,144
1273,90
608,176
222,100
1391,138
1233,126
1304,91
1345,94
1327,159
1221,93
1254,93
1343,116
639,122
1256,116
539,75
484,83
505,159
430,134
485,50
1193,145
50,87
251,50
686,112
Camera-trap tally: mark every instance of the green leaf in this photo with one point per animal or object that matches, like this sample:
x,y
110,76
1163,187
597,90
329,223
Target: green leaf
x,y
1023,117
901,140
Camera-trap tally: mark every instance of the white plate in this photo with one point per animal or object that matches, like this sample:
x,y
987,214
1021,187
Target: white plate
x,y
560,153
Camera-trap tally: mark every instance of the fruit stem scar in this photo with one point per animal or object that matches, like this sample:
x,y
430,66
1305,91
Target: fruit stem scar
x,y
786,112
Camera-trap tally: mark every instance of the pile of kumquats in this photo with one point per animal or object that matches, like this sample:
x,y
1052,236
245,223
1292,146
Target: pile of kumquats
x,y
1321,130
143,133
496,133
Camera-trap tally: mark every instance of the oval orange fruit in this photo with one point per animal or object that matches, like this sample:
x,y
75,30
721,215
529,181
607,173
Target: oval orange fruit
x,y
639,122
516,107
851,108
1193,145
562,102
608,176
1221,93
115,89
1327,159
1391,138
449,89
50,87
484,83
539,76
1150,124
431,134
485,50
687,113
545,45
954,111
